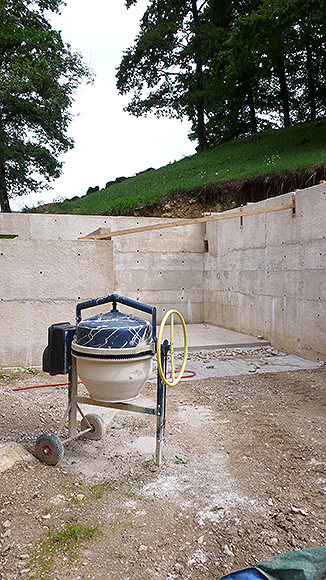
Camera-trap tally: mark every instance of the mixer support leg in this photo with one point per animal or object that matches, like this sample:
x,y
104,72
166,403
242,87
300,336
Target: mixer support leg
x,y
72,394
160,420
161,405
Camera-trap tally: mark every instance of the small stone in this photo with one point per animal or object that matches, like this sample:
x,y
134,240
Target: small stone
x,y
227,551
178,567
200,540
57,499
80,497
299,511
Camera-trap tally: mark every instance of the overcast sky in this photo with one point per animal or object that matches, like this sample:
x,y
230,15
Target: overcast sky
x,y
109,143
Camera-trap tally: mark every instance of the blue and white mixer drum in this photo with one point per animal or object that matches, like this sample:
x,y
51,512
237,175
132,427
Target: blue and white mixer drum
x,y
114,354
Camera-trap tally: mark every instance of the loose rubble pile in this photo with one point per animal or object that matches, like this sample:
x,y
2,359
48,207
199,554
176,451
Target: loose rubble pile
x,y
238,361
228,353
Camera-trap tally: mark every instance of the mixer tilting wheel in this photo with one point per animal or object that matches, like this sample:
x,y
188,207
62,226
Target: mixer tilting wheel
x,y
112,355
163,372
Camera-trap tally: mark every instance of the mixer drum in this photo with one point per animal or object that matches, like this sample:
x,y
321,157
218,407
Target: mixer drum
x,y
114,355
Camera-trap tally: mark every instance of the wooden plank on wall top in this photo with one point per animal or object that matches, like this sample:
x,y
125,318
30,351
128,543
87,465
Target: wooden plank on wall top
x,y
187,222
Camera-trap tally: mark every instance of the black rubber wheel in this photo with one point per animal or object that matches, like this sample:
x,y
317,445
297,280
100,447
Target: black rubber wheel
x,y
97,424
49,448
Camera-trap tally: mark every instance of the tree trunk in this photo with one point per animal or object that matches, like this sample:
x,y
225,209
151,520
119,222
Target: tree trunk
x,y
4,200
284,93
253,120
311,84
200,108
201,133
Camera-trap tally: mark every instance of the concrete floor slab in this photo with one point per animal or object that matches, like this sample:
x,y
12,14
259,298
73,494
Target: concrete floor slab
x,y
207,356
208,336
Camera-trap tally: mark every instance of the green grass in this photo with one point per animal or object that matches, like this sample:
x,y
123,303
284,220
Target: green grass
x,y
73,533
272,152
17,373
64,543
180,460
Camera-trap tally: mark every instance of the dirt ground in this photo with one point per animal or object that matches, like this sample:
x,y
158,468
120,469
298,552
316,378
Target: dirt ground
x,y
243,478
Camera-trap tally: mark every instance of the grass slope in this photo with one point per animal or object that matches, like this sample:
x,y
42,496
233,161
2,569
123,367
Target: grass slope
x,y
272,152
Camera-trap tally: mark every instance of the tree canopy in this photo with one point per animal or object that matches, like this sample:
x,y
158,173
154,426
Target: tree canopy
x,y
39,78
232,67
164,68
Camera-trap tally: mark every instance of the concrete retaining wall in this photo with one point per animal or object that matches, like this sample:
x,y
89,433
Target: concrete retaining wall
x,y
264,277
46,271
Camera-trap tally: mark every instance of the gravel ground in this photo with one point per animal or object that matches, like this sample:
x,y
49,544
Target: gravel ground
x,y
243,477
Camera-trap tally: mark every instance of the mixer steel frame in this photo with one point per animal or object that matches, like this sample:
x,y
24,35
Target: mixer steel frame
x,y
159,411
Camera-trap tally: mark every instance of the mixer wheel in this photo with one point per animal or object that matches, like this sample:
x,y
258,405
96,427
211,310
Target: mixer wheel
x,y
97,424
49,448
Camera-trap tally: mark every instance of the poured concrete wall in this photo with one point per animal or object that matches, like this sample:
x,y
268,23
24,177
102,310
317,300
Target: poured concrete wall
x,y
46,271
264,276
163,268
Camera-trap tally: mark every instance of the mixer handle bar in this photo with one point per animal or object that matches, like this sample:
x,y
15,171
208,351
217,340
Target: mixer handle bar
x,y
114,298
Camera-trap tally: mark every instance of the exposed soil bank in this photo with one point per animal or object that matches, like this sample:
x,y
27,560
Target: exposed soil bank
x,y
228,194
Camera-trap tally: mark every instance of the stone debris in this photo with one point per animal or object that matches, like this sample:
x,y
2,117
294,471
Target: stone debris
x,y
225,362
228,354
11,453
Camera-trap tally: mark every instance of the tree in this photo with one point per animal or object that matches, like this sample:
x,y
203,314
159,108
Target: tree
x,y
306,60
283,42
165,67
231,83
39,78
233,67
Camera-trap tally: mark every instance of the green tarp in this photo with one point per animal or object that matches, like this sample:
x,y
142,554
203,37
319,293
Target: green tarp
x,y
298,565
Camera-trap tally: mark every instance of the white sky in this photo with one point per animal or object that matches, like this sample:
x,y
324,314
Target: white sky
x,y
109,143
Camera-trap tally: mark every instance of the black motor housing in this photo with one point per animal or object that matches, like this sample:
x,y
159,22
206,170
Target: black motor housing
x,y
57,354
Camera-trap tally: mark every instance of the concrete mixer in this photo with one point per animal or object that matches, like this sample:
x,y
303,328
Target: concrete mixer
x,y
112,355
